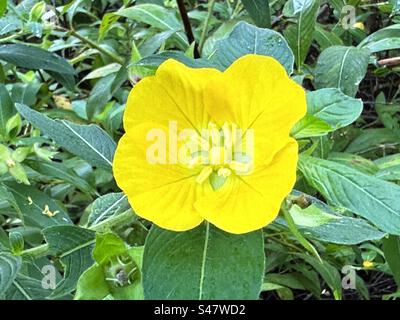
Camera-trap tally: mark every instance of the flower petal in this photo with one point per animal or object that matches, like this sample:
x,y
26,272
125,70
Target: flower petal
x,y
175,93
255,92
248,203
160,192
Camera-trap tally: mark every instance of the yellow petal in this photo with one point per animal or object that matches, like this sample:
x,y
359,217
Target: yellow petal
x,y
248,203
160,192
255,92
175,93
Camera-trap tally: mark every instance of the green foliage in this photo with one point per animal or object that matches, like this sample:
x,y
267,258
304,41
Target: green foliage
x,y
190,266
66,70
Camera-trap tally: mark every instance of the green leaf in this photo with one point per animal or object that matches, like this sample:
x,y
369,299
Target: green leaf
x,y
328,272
341,230
391,249
60,171
73,245
154,60
300,34
333,107
312,216
104,90
9,267
158,17
310,126
92,284
341,67
326,39
202,263
34,58
33,203
112,256
245,39
88,142
353,160
7,110
107,206
383,39
259,11
372,139
27,288
369,197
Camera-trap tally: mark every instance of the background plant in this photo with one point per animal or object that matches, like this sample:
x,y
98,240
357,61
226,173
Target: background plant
x,y
66,69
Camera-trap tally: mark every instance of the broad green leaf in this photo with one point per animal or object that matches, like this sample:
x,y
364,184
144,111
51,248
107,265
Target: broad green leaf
x,y
107,206
153,61
372,139
259,11
112,255
57,170
25,93
312,216
88,142
73,246
389,167
353,160
37,208
341,67
245,39
34,58
326,39
310,126
102,71
152,44
27,288
369,197
391,249
384,39
9,267
156,16
104,90
333,107
328,272
92,284
300,34
9,24
7,110
202,263
341,230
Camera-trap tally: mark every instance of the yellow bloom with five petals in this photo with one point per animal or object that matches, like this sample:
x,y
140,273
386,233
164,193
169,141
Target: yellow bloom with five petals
x,y
236,191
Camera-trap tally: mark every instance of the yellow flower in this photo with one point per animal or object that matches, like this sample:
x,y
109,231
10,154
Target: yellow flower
x,y
368,264
253,104
359,25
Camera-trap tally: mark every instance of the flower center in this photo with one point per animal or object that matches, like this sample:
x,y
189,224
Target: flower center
x,y
219,151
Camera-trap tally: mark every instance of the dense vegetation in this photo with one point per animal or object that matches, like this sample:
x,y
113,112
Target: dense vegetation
x,y
66,69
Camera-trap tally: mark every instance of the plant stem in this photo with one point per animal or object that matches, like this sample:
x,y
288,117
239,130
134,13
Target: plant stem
x,y
206,24
188,27
118,220
94,45
395,61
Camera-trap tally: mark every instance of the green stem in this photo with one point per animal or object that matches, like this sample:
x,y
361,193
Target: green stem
x,y
119,220
94,45
296,232
206,24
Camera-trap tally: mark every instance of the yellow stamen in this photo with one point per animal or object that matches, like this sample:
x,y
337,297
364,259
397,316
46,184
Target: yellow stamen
x,y
204,174
240,167
224,172
10,163
48,212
